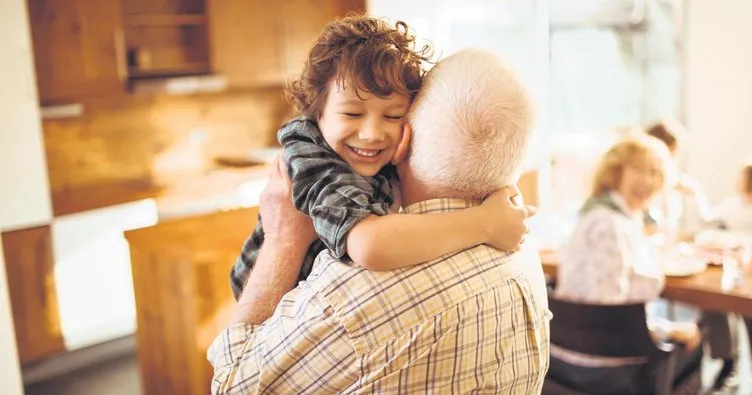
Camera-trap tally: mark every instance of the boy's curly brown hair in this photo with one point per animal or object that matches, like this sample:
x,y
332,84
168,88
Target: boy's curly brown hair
x,y
365,52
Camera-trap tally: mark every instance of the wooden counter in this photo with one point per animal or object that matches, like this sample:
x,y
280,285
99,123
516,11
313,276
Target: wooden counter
x,y
30,264
183,298
191,187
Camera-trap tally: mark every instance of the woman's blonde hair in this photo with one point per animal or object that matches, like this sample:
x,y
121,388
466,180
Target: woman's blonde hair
x,y
633,150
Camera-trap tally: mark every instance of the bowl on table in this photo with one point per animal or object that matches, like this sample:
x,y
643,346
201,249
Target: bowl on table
x,y
713,245
676,265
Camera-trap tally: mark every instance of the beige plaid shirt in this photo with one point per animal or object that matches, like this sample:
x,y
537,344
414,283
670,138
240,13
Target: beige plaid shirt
x,y
473,321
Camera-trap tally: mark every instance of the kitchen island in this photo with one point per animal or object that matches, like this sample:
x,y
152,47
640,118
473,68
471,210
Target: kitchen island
x,y
183,299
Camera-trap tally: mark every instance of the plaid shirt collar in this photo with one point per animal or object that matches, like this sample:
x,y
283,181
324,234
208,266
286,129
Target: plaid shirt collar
x,y
439,206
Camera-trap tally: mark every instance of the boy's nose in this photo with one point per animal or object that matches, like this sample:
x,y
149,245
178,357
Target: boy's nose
x,y
370,133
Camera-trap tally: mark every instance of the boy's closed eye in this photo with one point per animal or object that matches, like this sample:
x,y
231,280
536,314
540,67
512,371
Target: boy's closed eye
x,y
351,114
394,117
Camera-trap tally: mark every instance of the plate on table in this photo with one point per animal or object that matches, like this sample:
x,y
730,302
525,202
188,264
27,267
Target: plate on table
x,y
713,245
683,267
718,240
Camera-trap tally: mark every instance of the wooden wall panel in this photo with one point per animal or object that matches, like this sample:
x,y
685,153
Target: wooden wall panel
x,y
130,148
30,269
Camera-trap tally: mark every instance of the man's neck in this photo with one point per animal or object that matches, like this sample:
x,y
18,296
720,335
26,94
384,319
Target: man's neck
x,y
413,190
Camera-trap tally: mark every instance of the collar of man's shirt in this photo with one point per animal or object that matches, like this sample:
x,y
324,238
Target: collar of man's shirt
x,y
439,206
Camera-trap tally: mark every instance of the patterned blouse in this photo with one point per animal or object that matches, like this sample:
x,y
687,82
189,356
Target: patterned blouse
x,y
609,261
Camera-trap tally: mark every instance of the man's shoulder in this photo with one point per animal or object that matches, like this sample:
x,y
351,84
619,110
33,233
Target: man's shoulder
x,y
526,262
377,307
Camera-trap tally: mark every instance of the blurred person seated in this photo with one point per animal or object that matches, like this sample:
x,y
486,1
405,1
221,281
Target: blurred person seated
x,y
609,261
681,211
684,202
735,212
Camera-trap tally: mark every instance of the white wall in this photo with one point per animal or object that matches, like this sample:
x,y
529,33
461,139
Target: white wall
x,y
24,191
10,377
517,30
718,95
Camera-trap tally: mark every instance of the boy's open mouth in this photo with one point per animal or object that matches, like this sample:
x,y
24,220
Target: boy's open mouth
x,y
364,152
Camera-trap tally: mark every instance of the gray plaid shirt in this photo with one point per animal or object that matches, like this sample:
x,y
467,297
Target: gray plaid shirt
x,y
325,188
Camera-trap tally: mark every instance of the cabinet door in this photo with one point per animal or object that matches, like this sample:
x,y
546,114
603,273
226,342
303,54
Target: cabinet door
x,y
302,24
245,40
263,43
31,279
78,48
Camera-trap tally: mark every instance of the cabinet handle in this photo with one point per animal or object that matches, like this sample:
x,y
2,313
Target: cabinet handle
x,y
120,56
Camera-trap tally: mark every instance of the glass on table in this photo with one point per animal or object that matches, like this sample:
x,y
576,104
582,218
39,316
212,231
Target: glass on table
x,y
736,263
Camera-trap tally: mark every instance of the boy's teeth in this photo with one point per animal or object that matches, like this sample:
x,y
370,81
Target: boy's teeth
x,y
369,153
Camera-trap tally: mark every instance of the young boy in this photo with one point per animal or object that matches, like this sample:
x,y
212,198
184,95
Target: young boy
x,y
354,93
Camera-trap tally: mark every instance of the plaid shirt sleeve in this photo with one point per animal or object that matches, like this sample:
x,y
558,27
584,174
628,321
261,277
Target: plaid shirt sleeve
x,y
269,358
326,188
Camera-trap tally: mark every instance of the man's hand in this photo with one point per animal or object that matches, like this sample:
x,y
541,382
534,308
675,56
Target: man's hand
x,y
282,222
287,236
506,219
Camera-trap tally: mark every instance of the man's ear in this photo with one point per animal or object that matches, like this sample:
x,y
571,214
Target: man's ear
x,y
404,145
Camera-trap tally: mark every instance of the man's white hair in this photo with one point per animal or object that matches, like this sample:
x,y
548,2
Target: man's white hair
x,y
472,126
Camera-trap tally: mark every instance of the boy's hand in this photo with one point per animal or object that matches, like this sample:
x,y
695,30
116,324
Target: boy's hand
x,y
505,218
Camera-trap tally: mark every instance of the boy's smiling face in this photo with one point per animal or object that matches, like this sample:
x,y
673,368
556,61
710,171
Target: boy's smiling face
x,y
364,131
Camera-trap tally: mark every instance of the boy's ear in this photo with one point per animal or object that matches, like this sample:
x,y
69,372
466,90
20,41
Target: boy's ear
x,y
404,145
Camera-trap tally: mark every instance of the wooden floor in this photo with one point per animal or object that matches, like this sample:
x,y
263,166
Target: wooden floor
x,y
116,377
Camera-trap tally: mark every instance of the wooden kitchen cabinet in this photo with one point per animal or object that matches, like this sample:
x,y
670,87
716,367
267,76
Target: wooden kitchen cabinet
x,y
302,23
96,48
246,41
29,265
166,38
181,283
263,43
78,48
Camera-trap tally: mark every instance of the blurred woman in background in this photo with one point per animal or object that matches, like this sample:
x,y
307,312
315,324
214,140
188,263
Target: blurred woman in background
x,y
610,261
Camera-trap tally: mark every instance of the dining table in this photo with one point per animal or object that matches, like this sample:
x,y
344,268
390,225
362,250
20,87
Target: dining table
x,y
704,289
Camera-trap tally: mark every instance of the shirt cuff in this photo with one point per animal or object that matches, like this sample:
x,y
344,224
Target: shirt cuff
x,y
230,345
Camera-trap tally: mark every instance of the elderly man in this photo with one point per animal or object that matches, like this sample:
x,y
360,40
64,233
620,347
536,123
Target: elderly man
x,y
472,321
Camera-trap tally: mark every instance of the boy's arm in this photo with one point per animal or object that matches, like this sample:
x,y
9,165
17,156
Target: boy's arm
x,y
338,200
400,240
325,188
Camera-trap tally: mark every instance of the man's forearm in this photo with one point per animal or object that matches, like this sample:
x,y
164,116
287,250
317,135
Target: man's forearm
x,y
274,274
